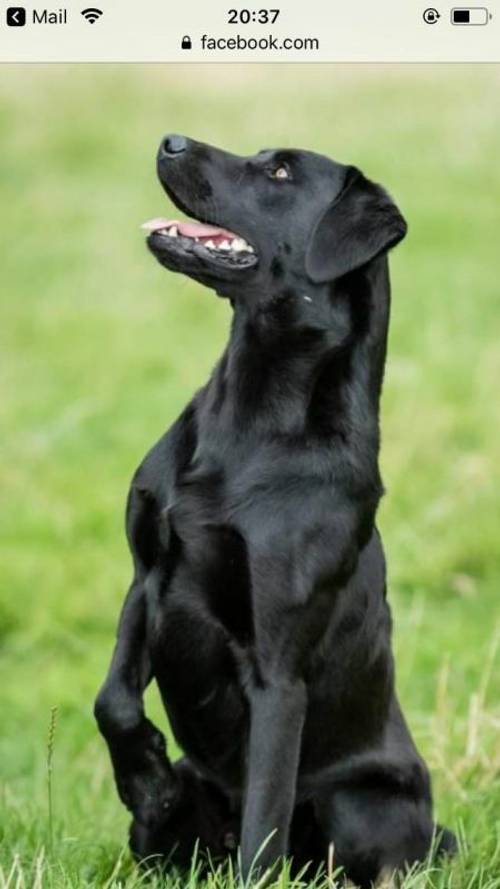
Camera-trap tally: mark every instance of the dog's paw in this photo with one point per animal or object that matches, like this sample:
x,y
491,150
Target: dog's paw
x,y
146,780
149,795
151,790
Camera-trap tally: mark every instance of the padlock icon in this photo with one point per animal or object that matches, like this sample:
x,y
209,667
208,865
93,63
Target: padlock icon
x,y
186,42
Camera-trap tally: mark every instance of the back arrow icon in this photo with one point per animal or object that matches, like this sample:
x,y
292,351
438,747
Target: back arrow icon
x,y
16,16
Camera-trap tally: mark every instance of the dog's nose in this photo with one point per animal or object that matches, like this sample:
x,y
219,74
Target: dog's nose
x,y
174,144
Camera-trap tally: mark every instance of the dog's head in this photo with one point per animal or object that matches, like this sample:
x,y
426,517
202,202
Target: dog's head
x,y
278,220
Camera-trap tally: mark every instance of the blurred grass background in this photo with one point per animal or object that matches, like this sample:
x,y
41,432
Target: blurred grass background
x,y
101,348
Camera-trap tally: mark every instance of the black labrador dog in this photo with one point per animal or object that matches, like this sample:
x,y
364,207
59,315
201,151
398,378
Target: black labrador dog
x,y
258,602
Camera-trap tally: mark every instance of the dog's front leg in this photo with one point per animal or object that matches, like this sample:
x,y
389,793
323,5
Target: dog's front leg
x,y
277,703
277,713
145,779
291,600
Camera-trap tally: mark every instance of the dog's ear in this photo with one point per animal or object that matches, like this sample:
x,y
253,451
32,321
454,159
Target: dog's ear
x,y
360,224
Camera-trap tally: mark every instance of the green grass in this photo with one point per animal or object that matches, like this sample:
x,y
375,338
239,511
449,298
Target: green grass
x,y
101,348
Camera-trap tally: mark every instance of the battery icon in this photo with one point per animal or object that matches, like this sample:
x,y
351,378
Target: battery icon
x,y
470,15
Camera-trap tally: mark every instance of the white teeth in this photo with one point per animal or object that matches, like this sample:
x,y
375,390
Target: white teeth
x,y
239,245
235,245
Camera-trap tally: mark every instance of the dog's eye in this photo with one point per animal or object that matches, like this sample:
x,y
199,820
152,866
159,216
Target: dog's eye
x,y
281,172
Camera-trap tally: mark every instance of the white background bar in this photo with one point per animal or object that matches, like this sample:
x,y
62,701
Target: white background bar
x,y
152,30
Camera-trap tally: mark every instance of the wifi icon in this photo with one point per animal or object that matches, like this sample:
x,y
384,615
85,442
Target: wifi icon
x,y
92,14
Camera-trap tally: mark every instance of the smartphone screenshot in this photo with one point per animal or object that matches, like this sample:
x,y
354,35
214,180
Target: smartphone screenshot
x,y
250,450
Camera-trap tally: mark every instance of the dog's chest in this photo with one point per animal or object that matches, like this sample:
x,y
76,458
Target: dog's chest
x,y
198,502
213,553
198,517
208,492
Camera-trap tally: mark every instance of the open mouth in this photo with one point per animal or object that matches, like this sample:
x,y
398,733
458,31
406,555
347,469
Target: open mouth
x,y
202,239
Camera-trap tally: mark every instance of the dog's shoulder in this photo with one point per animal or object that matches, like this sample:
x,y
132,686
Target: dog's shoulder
x,y
150,492
156,474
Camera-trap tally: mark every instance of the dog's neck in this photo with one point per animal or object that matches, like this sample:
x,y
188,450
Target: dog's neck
x,y
299,364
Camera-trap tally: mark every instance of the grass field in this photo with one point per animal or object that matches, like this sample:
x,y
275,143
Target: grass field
x,y
100,349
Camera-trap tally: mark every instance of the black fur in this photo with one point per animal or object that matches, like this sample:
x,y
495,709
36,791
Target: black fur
x,y
259,599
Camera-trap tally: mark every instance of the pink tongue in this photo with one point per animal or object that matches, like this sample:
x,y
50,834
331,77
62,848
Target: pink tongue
x,y
189,229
